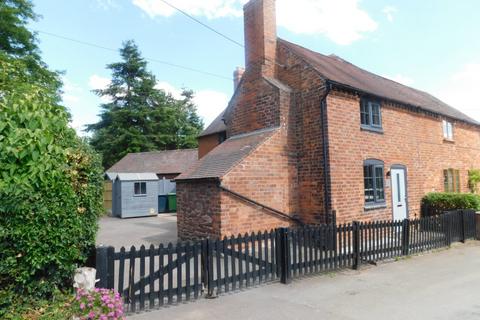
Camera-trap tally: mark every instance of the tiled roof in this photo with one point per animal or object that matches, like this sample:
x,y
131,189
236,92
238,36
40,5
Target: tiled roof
x,y
344,73
216,126
160,162
224,157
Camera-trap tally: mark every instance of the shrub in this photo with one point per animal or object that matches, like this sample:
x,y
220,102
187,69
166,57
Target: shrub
x,y
473,180
50,189
102,304
438,202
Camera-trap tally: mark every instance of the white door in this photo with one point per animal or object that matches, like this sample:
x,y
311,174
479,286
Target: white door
x,y
399,193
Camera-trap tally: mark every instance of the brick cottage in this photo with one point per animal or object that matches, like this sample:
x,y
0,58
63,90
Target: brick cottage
x,y
307,135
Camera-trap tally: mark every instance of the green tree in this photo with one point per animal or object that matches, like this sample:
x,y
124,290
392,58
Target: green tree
x,y
50,180
18,42
139,116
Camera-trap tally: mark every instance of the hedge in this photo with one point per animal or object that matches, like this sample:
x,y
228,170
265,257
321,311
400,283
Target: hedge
x,y
438,202
50,190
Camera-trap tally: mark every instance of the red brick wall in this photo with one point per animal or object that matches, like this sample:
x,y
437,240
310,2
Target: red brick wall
x,y
306,113
254,107
198,209
260,37
207,143
411,139
267,177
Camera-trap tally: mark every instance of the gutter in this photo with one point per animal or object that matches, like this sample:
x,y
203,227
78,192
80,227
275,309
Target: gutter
x,y
267,208
326,169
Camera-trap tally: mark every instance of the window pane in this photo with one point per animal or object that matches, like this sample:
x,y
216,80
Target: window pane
x,y
144,188
376,115
445,180
364,114
457,181
368,183
380,194
136,187
445,130
449,130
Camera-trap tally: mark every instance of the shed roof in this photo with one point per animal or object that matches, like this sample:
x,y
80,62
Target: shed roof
x,y
224,157
159,162
217,125
339,71
143,176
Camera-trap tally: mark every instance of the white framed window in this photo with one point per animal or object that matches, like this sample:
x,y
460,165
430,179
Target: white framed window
x,y
447,130
140,188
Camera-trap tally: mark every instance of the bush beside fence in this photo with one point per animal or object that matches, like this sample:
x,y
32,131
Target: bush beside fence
x,y
157,276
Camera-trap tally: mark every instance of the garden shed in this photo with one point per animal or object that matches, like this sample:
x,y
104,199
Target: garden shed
x,y
154,171
135,195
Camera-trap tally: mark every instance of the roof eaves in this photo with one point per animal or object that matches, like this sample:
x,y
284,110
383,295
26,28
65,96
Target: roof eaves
x,y
411,107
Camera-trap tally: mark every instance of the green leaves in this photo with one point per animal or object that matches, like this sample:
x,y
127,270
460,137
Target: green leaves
x,y
141,117
46,174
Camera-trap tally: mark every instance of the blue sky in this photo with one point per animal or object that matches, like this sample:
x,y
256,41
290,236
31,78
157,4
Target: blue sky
x,y
432,45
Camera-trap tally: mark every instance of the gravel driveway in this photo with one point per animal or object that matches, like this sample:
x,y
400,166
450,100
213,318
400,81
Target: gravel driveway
x,y
118,232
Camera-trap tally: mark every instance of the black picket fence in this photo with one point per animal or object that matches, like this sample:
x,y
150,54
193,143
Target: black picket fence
x,y
152,277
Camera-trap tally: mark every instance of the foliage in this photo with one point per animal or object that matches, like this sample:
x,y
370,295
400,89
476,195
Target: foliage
x,y
438,202
57,307
473,180
139,116
50,187
17,41
102,304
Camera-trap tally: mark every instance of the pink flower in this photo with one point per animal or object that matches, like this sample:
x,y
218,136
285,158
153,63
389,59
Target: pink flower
x,y
82,306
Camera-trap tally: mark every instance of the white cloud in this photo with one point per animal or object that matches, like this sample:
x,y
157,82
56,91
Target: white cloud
x,y
71,92
209,102
461,90
389,11
342,21
167,87
107,4
400,78
97,82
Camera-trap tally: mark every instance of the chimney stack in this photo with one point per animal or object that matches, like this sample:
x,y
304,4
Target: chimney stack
x,y
260,37
237,76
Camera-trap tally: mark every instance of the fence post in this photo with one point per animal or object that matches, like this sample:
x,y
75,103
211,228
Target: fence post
x,y
405,237
210,293
447,228
462,224
356,245
104,264
284,256
204,265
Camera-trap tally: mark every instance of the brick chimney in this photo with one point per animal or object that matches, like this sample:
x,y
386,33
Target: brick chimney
x,y
237,76
260,37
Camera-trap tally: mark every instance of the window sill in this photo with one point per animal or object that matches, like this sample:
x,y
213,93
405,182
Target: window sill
x,y
140,195
448,140
376,206
371,129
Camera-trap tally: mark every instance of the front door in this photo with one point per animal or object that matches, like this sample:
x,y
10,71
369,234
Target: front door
x,y
399,193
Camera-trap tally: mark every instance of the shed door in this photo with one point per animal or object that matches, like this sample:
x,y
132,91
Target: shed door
x,y
399,193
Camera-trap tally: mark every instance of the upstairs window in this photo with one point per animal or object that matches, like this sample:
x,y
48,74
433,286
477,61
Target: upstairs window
x,y
373,182
447,130
370,114
451,178
140,188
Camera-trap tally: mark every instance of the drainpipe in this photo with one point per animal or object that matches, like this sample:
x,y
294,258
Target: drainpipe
x,y
326,171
